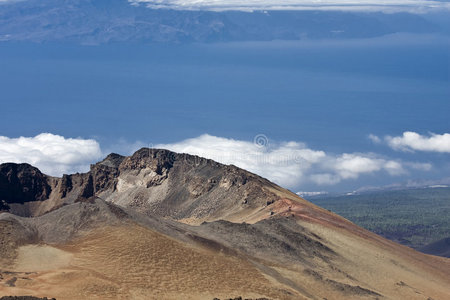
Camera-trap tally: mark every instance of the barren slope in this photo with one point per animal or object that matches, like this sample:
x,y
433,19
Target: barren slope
x,y
259,239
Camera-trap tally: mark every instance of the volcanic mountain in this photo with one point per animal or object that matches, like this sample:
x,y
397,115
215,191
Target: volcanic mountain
x,y
162,225
94,22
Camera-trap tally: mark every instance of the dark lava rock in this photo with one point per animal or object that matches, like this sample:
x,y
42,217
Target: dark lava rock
x,y
24,298
240,298
21,183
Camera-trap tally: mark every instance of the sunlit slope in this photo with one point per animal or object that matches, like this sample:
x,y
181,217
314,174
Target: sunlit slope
x,y
161,225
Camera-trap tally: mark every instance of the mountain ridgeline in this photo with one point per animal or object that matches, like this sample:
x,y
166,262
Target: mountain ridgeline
x,y
112,21
151,181
163,225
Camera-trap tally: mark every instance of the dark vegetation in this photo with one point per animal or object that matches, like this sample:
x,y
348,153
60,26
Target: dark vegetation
x,y
24,298
440,248
414,217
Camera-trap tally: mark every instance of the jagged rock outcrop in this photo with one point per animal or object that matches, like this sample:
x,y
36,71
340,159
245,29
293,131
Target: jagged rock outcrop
x,y
105,173
186,187
20,183
24,298
124,230
181,186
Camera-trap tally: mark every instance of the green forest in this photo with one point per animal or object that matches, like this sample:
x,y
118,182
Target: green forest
x,y
413,217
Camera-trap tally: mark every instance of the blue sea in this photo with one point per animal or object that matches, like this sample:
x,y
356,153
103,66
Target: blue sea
x,y
328,94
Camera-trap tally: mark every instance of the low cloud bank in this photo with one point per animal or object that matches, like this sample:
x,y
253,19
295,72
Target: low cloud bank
x,y
291,163
414,6
52,154
413,141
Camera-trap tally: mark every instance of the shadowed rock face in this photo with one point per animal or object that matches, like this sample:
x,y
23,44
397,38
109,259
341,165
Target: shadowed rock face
x,y
153,181
106,172
21,183
24,298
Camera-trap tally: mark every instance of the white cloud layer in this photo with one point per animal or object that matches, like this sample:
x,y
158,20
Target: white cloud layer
x,y
9,1
52,154
291,163
285,163
412,141
262,5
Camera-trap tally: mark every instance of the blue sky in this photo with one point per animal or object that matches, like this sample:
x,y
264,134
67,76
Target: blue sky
x,y
315,103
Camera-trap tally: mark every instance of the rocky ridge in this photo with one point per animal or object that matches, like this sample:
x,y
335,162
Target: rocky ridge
x,y
161,182
164,224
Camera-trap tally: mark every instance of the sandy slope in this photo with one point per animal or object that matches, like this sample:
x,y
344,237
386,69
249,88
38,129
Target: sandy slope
x,y
258,240
159,260
132,262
